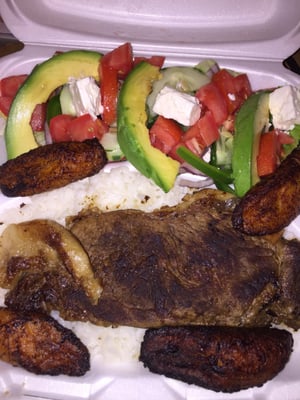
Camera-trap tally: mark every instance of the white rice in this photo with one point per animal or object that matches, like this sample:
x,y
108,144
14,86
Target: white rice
x,y
114,188
120,187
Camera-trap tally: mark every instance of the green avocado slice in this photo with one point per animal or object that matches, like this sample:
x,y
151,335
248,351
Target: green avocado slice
x,y
133,134
37,88
250,122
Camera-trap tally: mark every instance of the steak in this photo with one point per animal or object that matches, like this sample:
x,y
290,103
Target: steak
x,y
181,265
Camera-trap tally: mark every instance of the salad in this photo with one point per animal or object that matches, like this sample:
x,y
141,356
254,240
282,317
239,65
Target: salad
x,y
164,120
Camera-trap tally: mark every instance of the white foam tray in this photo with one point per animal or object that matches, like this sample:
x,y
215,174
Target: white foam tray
x,y
253,37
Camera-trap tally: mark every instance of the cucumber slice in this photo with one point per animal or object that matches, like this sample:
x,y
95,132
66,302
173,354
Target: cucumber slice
x,y
40,137
207,66
66,101
221,150
111,146
184,79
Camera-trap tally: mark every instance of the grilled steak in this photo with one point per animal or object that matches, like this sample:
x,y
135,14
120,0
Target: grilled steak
x,y
41,345
272,203
42,246
174,266
226,359
50,167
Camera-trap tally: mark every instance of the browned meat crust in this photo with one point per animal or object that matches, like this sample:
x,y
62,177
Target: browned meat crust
x,y
42,246
272,203
217,358
41,345
50,167
175,266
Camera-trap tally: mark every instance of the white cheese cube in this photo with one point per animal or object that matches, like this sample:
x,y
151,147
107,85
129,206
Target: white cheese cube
x,y
284,106
86,96
182,107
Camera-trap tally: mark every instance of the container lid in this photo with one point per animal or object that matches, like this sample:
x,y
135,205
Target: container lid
x,y
264,29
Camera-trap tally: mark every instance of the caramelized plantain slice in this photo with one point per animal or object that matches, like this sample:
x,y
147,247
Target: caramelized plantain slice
x,y
226,359
39,344
50,167
272,203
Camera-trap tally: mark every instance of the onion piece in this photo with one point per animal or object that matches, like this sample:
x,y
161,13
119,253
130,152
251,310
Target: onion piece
x,y
194,181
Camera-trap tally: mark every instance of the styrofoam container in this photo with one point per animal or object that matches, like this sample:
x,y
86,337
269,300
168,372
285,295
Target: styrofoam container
x,y
249,36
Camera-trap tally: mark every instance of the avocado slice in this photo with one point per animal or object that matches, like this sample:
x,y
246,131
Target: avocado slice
x,y
133,134
36,89
250,122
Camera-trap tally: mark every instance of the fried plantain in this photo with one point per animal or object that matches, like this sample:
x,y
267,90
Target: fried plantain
x,y
226,359
40,344
271,204
51,166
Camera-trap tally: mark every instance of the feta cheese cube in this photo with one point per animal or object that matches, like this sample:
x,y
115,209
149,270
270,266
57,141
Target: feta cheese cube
x,y
284,106
182,107
86,96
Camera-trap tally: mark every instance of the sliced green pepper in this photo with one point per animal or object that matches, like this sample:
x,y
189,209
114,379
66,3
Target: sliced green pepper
x,y
222,179
53,107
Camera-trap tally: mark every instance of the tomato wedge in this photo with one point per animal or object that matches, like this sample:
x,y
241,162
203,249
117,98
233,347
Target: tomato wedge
x,y
59,127
10,85
120,59
165,134
5,103
284,138
242,87
38,118
8,89
109,88
113,66
235,90
267,158
224,81
85,127
157,61
64,127
213,99
202,134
